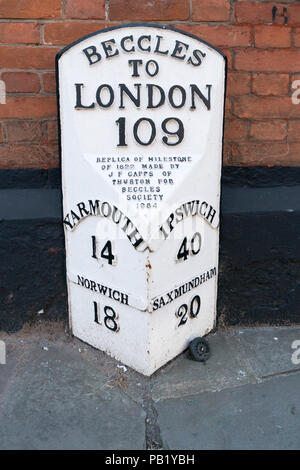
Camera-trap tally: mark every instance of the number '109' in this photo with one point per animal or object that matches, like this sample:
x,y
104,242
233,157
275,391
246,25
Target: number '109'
x,y
167,139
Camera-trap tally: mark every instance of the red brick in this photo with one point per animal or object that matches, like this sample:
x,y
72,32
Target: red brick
x,y
265,107
28,107
297,37
266,153
210,10
27,57
235,130
24,33
267,60
21,82
52,131
228,107
49,82
270,84
68,31
89,9
228,54
28,156
238,83
294,153
1,134
23,131
272,36
227,160
220,35
258,13
269,130
228,114
149,10
261,13
294,14
30,9
295,76
294,130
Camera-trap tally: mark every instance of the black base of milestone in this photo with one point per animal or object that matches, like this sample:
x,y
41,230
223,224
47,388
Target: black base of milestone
x,y
259,270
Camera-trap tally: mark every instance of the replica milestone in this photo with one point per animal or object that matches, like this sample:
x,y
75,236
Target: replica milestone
x,y
141,123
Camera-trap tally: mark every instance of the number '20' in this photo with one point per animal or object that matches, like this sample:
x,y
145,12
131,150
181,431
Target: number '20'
x,y
167,139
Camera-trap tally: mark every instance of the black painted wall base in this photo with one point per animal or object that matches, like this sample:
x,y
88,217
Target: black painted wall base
x,y
32,272
259,271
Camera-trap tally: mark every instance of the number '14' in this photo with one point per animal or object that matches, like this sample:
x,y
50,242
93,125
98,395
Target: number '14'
x,y
106,252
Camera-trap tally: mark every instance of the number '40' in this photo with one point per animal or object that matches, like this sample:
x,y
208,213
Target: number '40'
x,y
195,246
165,125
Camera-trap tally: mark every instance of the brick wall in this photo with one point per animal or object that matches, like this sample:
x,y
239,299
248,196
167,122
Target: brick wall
x,y
261,40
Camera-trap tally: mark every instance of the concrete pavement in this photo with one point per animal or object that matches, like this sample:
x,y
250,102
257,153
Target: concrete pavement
x,y
58,393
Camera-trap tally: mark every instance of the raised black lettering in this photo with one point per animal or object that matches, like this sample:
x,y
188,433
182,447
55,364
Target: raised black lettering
x,y
91,52
141,39
157,49
178,49
206,101
135,63
79,104
111,96
135,99
198,55
124,40
151,87
108,49
171,96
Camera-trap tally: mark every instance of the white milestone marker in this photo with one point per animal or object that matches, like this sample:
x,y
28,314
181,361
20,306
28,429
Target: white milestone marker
x,y
141,121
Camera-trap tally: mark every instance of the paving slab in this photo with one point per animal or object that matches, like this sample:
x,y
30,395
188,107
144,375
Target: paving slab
x,y
238,356
7,371
255,416
56,392
184,377
59,399
267,351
